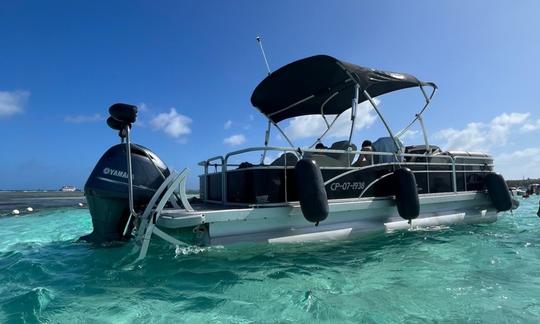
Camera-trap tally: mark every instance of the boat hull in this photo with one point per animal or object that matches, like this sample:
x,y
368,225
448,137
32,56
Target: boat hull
x,y
348,218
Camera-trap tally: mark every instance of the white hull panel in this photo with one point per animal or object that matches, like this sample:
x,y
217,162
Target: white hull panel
x,y
347,218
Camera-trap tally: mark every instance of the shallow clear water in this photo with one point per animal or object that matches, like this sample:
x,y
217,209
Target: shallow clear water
x,y
482,273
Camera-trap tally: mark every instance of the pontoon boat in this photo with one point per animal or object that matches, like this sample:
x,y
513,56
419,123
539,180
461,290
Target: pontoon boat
x,y
306,194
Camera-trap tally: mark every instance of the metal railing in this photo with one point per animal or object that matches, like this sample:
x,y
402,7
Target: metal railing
x,y
221,164
175,182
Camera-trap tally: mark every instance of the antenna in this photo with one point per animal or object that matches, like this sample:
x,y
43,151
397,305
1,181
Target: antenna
x,y
267,133
258,38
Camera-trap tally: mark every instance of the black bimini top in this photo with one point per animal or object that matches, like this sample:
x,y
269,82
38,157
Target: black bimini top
x,y
302,87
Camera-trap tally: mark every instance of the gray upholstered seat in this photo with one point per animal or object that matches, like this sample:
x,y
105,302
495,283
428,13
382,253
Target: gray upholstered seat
x,y
334,159
280,161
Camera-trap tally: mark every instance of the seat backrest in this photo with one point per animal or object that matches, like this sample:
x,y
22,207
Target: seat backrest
x,y
422,150
334,159
386,144
280,161
343,145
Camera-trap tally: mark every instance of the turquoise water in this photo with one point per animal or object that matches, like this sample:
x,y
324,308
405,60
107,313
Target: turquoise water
x,y
482,273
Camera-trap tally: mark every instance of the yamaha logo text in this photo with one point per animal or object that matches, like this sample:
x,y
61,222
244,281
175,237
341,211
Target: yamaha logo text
x,y
116,173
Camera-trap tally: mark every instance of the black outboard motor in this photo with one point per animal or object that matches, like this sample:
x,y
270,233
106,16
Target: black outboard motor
x,y
107,189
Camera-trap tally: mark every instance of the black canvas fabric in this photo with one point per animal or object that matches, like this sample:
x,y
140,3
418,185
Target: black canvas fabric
x,y
321,76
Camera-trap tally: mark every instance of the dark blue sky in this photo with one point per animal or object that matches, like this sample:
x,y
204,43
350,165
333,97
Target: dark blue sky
x,y
63,63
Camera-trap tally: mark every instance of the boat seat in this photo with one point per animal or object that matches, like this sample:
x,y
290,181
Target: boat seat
x,y
245,165
341,145
334,159
476,157
386,144
322,158
420,149
280,161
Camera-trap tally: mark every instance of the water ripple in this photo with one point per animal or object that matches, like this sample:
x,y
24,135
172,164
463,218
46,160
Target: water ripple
x,y
473,273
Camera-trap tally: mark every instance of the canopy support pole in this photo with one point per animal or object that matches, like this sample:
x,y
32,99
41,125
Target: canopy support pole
x,y
353,109
325,132
282,133
324,104
266,139
328,125
428,101
372,102
292,105
270,122
421,121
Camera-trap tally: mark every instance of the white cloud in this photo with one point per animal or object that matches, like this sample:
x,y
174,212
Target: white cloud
x,y
469,138
245,126
79,119
501,126
235,140
518,164
172,123
12,102
314,125
530,127
481,136
306,126
510,119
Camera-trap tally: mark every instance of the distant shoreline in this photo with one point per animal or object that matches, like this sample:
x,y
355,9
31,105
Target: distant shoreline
x,y
10,200
523,182
188,191
36,190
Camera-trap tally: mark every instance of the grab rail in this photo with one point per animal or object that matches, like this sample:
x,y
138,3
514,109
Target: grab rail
x,y
147,224
299,153
152,212
149,208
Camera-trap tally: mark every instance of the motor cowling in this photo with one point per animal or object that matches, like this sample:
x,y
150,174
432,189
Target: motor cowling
x,y
106,189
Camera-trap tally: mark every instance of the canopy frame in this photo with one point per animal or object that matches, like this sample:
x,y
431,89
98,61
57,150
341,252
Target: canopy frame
x,y
337,89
